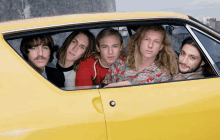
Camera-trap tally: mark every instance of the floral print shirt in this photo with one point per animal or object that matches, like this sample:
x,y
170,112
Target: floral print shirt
x,y
119,72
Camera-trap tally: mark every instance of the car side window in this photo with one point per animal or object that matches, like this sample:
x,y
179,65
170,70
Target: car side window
x,y
175,35
212,47
58,39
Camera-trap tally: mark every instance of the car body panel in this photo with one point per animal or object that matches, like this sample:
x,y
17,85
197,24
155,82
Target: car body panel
x,y
175,110
67,20
33,108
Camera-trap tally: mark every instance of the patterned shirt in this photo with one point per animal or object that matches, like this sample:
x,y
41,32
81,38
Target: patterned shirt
x,y
119,72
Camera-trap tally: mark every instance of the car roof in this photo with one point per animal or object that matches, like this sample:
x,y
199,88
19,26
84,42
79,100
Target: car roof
x,y
67,20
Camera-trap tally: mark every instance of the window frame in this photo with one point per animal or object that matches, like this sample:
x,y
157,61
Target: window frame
x,y
189,28
114,23
94,25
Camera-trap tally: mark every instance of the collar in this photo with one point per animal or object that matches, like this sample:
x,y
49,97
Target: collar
x,y
103,65
198,72
64,69
152,67
44,74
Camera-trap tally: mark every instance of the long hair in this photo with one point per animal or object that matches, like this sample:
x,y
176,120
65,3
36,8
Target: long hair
x,y
206,68
190,41
61,53
37,40
104,33
164,59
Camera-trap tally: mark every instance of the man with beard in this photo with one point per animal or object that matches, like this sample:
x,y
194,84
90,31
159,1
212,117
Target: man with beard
x,y
190,61
38,51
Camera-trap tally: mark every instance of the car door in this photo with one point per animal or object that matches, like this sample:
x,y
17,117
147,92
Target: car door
x,y
187,109
33,108
173,110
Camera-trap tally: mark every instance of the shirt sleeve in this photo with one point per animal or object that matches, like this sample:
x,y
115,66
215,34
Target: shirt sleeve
x,y
84,76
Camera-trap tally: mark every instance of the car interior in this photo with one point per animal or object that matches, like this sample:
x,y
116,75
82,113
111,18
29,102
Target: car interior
x,y
176,31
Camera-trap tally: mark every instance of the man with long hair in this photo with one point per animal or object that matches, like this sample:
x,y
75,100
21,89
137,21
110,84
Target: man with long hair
x,y
150,58
190,61
77,47
38,51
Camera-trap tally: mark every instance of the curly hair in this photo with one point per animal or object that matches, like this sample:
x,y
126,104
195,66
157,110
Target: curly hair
x,y
62,52
37,40
164,59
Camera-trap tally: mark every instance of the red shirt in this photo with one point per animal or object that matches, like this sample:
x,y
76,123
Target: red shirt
x,y
90,72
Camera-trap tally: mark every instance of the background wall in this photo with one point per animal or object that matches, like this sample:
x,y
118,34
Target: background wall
x,y
19,9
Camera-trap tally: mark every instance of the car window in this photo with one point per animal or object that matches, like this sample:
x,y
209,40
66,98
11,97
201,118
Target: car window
x,y
58,39
176,33
212,47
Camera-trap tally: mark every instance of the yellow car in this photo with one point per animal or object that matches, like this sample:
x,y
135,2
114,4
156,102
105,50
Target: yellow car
x,y
31,107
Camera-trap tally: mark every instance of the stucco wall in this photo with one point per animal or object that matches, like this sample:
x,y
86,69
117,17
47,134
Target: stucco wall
x,y
18,9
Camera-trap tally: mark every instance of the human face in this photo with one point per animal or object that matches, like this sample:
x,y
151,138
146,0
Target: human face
x,y
189,59
77,47
110,48
151,44
39,56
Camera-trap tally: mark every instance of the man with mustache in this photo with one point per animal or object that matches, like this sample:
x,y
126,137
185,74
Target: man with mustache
x,y
190,61
38,51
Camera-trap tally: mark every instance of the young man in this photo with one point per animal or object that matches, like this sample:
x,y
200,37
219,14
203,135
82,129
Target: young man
x,y
92,71
190,61
38,51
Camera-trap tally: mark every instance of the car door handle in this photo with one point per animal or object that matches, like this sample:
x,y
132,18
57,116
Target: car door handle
x,y
97,103
112,103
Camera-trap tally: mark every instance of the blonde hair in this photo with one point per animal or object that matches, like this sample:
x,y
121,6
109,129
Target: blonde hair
x,y
104,33
164,59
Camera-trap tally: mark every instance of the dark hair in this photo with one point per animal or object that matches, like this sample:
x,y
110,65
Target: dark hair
x,y
190,41
104,33
206,68
61,53
28,42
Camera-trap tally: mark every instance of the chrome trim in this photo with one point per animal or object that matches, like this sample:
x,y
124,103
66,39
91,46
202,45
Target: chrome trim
x,y
214,32
96,21
93,21
202,47
205,34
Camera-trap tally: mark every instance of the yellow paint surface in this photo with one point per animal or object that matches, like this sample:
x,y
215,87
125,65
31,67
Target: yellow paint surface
x,y
33,108
175,110
67,20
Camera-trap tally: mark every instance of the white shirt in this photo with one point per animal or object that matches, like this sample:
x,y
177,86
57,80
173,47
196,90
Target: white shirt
x,y
70,77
